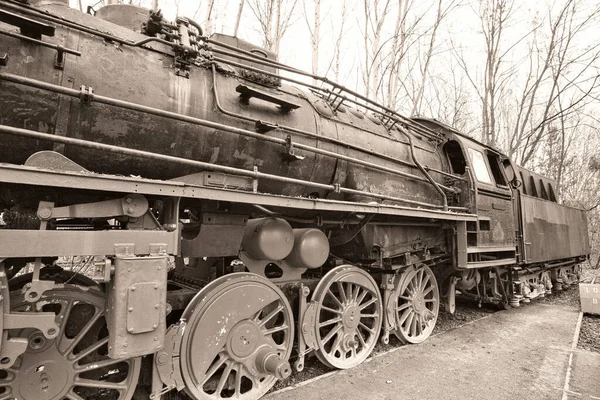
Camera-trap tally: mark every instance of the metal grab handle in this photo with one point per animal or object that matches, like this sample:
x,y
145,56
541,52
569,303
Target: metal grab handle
x,y
29,27
246,93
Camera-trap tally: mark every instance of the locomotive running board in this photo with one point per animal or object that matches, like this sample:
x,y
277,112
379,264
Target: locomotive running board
x,y
18,174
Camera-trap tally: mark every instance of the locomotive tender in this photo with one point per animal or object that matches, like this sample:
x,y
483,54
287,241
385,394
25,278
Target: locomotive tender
x,y
221,224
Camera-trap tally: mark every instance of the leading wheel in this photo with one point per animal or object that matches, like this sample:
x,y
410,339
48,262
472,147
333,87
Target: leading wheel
x,y
416,304
238,338
348,316
75,365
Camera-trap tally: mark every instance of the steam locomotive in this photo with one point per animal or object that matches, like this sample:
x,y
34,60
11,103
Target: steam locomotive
x,y
184,212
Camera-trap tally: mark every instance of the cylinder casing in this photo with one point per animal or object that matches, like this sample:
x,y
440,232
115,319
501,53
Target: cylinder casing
x,y
311,249
268,239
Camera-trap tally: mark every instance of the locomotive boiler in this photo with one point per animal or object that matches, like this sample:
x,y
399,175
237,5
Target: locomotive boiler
x,y
195,216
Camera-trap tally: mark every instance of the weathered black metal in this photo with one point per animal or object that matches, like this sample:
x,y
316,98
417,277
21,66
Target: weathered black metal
x,y
29,27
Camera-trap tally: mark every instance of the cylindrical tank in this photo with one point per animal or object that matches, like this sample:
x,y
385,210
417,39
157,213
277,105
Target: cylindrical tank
x,y
268,239
148,76
311,249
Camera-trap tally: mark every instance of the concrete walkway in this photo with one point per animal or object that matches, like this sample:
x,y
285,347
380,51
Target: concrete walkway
x,y
518,354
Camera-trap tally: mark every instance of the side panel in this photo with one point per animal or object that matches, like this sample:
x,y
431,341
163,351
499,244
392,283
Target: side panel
x,y
552,231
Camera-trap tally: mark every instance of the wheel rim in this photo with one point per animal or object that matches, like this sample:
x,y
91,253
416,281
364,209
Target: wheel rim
x,y
238,338
348,317
75,364
416,303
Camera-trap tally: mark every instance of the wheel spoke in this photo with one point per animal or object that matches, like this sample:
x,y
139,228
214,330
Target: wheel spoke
x,y
341,291
86,352
335,299
7,395
81,334
373,315
370,330
270,315
361,338
73,396
211,371
331,310
405,298
403,306
419,324
275,329
368,303
331,333
427,291
349,291
336,345
362,297
100,384
355,294
223,379
409,320
238,379
413,326
406,314
96,365
330,322
425,282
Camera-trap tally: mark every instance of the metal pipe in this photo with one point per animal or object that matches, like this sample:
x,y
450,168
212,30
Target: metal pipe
x,y
41,43
200,164
214,125
437,187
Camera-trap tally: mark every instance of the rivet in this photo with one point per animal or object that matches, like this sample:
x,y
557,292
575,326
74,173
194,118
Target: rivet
x,y
128,269
124,344
130,210
154,326
133,289
155,306
130,330
155,338
130,309
128,200
155,287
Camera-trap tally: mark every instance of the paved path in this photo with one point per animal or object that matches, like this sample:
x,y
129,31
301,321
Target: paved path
x,y
519,354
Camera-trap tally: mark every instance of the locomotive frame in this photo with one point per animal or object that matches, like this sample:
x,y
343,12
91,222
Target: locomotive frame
x,y
208,282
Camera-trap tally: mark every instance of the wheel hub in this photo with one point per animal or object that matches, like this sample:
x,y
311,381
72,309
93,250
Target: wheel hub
x,y
418,301
45,375
244,339
351,317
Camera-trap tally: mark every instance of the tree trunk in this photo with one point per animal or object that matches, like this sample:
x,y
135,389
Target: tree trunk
x,y
238,18
316,39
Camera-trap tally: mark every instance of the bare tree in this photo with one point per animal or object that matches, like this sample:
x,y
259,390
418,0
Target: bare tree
x,y
441,13
274,17
375,16
238,18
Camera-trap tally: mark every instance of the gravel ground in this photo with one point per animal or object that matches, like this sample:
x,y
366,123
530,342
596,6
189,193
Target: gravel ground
x,y
465,312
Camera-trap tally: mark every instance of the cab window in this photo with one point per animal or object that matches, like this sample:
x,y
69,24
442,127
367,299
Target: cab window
x,y
481,171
